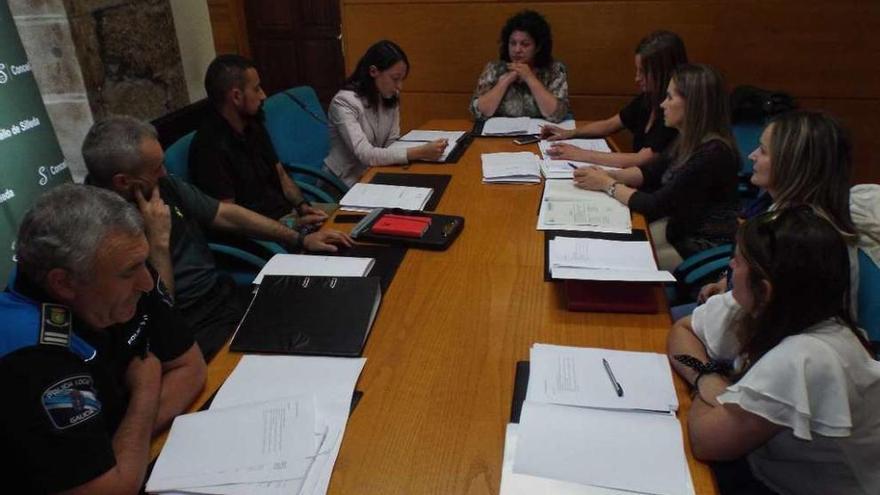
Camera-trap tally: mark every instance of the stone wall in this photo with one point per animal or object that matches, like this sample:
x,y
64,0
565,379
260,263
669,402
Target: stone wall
x,y
129,56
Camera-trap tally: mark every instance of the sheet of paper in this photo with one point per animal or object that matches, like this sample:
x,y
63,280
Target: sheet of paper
x,y
511,167
363,197
425,136
636,451
523,484
327,441
506,126
562,214
564,169
585,144
418,137
331,380
260,378
600,259
585,211
535,125
317,266
581,252
568,273
266,441
576,376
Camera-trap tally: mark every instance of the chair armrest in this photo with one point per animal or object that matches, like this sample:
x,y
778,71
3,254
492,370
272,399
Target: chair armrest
x,y
319,174
238,254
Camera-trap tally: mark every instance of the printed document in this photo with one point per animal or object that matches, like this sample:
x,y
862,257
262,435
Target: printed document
x,y
600,259
511,168
365,197
576,376
419,137
566,207
254,443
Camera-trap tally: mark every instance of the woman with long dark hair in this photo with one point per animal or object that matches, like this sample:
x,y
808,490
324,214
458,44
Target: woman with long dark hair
x,y
365,117
694,183
656,56
781,374
526,81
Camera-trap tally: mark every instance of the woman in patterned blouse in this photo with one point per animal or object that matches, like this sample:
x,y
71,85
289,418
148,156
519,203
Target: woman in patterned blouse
x,y
526,82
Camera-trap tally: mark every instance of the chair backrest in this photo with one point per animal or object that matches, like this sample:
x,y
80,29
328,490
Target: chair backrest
x,y
869,296
177,157
298,127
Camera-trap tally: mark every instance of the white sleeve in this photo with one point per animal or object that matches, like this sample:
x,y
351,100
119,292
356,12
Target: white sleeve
x,y
713,323
344,115
800,384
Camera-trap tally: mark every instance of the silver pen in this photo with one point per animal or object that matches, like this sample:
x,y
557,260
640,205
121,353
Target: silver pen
x,y
614,382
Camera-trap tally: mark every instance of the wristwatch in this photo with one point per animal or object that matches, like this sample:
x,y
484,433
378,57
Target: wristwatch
x,y
612,188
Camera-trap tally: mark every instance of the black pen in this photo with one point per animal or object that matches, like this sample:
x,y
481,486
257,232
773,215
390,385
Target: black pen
x,y
572,165
614,382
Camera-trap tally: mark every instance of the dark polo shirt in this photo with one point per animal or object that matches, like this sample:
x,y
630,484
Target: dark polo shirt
x,y
241,167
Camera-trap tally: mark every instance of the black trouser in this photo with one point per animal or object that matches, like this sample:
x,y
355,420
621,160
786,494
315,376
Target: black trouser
x,y
736,478
215,316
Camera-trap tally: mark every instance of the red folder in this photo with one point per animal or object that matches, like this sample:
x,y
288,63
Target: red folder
x,y
401,225
611,297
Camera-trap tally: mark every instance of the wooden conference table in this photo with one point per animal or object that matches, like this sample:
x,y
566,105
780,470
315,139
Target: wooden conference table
x,y
441,357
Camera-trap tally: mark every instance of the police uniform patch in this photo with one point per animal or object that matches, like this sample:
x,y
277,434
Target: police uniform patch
x,y
71,401
55,325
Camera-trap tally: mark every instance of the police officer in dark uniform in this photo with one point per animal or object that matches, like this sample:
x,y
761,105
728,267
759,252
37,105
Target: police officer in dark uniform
x,y
93,357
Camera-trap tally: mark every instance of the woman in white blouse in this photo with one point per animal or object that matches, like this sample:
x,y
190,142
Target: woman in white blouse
x,y
365,117
781,374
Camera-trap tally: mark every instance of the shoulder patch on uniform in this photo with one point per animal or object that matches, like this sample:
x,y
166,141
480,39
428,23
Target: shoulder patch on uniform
x,y
55,325
71,401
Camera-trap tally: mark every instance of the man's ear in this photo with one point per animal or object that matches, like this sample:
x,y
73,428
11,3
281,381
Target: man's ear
x,y
235,96
120,182
60,284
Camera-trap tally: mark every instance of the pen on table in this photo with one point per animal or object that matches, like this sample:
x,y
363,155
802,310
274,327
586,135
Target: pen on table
x,y
572,165
614,382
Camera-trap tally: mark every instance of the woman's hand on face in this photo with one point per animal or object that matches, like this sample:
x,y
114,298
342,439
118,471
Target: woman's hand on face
x,y
592,179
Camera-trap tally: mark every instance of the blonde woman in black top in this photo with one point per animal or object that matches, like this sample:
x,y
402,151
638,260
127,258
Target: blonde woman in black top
x,y
657,55
694,183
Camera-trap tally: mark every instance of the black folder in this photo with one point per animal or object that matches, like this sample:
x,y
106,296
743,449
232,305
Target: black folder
x,y
387,259
437,182
324,316
520,388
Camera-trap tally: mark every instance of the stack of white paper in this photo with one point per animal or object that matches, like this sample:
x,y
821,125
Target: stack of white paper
x,y
317,266
600,259
517,126
567,207
365,197
590,429
564,169
511,168
419,137
255,381
586,144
